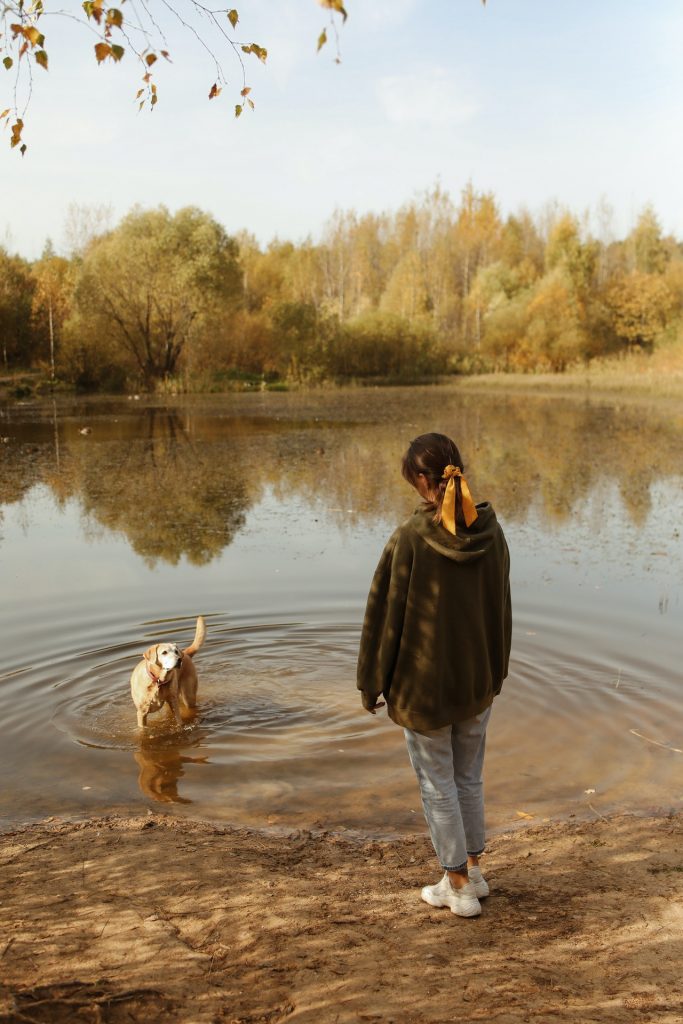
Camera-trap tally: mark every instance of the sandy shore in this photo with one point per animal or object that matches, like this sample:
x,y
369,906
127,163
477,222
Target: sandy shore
x,y
159,919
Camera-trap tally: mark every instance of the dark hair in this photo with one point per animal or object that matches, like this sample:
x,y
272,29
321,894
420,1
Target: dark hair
x,y
430,454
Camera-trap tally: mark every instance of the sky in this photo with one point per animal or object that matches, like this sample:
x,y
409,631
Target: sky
x,y
537,101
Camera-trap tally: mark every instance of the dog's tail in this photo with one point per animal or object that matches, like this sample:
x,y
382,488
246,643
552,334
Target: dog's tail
x,y
199,635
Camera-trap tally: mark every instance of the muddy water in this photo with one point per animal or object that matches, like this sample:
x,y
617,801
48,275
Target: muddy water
x,y
121,520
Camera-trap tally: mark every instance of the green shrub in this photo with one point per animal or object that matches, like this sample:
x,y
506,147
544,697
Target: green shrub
x,y
379,344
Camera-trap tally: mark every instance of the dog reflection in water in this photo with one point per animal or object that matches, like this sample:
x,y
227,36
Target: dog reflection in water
x,y
161,768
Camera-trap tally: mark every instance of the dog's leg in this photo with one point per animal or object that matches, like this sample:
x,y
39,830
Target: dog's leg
x,y
188,687
175,708
142,719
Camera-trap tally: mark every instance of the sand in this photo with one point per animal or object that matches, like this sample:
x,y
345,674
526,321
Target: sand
x,y
155,918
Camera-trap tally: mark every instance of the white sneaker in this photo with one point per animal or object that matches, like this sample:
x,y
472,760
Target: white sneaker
x,y
480,884
462,902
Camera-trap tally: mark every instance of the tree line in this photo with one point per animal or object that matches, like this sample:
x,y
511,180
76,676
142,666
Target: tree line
x,y
437,287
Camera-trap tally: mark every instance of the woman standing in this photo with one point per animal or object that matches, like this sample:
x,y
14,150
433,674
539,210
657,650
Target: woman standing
x,y
436,645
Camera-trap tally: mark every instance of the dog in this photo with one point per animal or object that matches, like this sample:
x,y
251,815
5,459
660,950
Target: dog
x,y
166,675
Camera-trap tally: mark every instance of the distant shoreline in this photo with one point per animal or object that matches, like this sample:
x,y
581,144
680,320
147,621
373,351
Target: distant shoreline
x,y
599,382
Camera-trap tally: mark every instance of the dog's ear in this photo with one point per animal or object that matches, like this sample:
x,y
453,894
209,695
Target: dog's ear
x,y
151,653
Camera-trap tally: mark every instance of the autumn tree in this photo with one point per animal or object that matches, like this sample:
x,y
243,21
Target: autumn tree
x,y
639,306
407,293
423,260
263,270
555,335
477,232
149,286
522,247
497,312
648,249
506,320
53,279
568,251
337,257
17,343
281,271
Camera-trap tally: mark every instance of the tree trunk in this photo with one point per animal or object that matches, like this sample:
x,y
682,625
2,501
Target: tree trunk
x,y
52,341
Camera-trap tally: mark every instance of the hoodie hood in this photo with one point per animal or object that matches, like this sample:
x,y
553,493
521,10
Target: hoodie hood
x,y
470,542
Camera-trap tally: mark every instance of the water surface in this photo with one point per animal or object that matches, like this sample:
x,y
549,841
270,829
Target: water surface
x,y
121,520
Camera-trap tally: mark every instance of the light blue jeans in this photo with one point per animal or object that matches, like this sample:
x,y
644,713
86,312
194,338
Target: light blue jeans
x,y
449,765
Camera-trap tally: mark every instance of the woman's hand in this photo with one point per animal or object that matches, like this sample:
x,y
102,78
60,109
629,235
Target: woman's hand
x,y
375,707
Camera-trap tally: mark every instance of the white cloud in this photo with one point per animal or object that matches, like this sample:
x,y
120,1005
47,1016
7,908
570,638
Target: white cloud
x,y
432,97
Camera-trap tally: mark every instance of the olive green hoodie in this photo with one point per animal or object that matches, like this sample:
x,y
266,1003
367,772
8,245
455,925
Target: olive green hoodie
x,y
437,628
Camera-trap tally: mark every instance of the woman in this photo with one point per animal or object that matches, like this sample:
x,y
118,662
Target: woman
x,y
436,645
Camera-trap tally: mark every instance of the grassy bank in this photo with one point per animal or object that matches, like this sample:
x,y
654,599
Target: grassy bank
x,y
656,375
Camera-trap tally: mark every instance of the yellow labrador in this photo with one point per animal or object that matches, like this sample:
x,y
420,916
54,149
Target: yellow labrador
x,y
166,675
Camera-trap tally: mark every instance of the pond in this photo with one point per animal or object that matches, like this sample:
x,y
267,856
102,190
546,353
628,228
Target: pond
x,y
123,519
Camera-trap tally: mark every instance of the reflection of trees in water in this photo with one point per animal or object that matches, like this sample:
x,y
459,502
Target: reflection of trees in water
x,y
21,467
552,455
559,454
180,482
169,495
145,477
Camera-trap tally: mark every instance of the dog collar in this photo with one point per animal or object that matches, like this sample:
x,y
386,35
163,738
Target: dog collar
x,y
159,682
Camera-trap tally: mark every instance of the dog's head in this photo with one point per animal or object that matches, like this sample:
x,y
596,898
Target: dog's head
x,y
165,656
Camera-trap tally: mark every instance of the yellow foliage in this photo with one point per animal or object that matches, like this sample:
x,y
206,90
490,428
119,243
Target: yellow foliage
x,y
639,305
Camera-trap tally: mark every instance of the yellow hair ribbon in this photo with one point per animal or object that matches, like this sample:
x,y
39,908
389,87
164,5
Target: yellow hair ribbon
x,y
448,507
